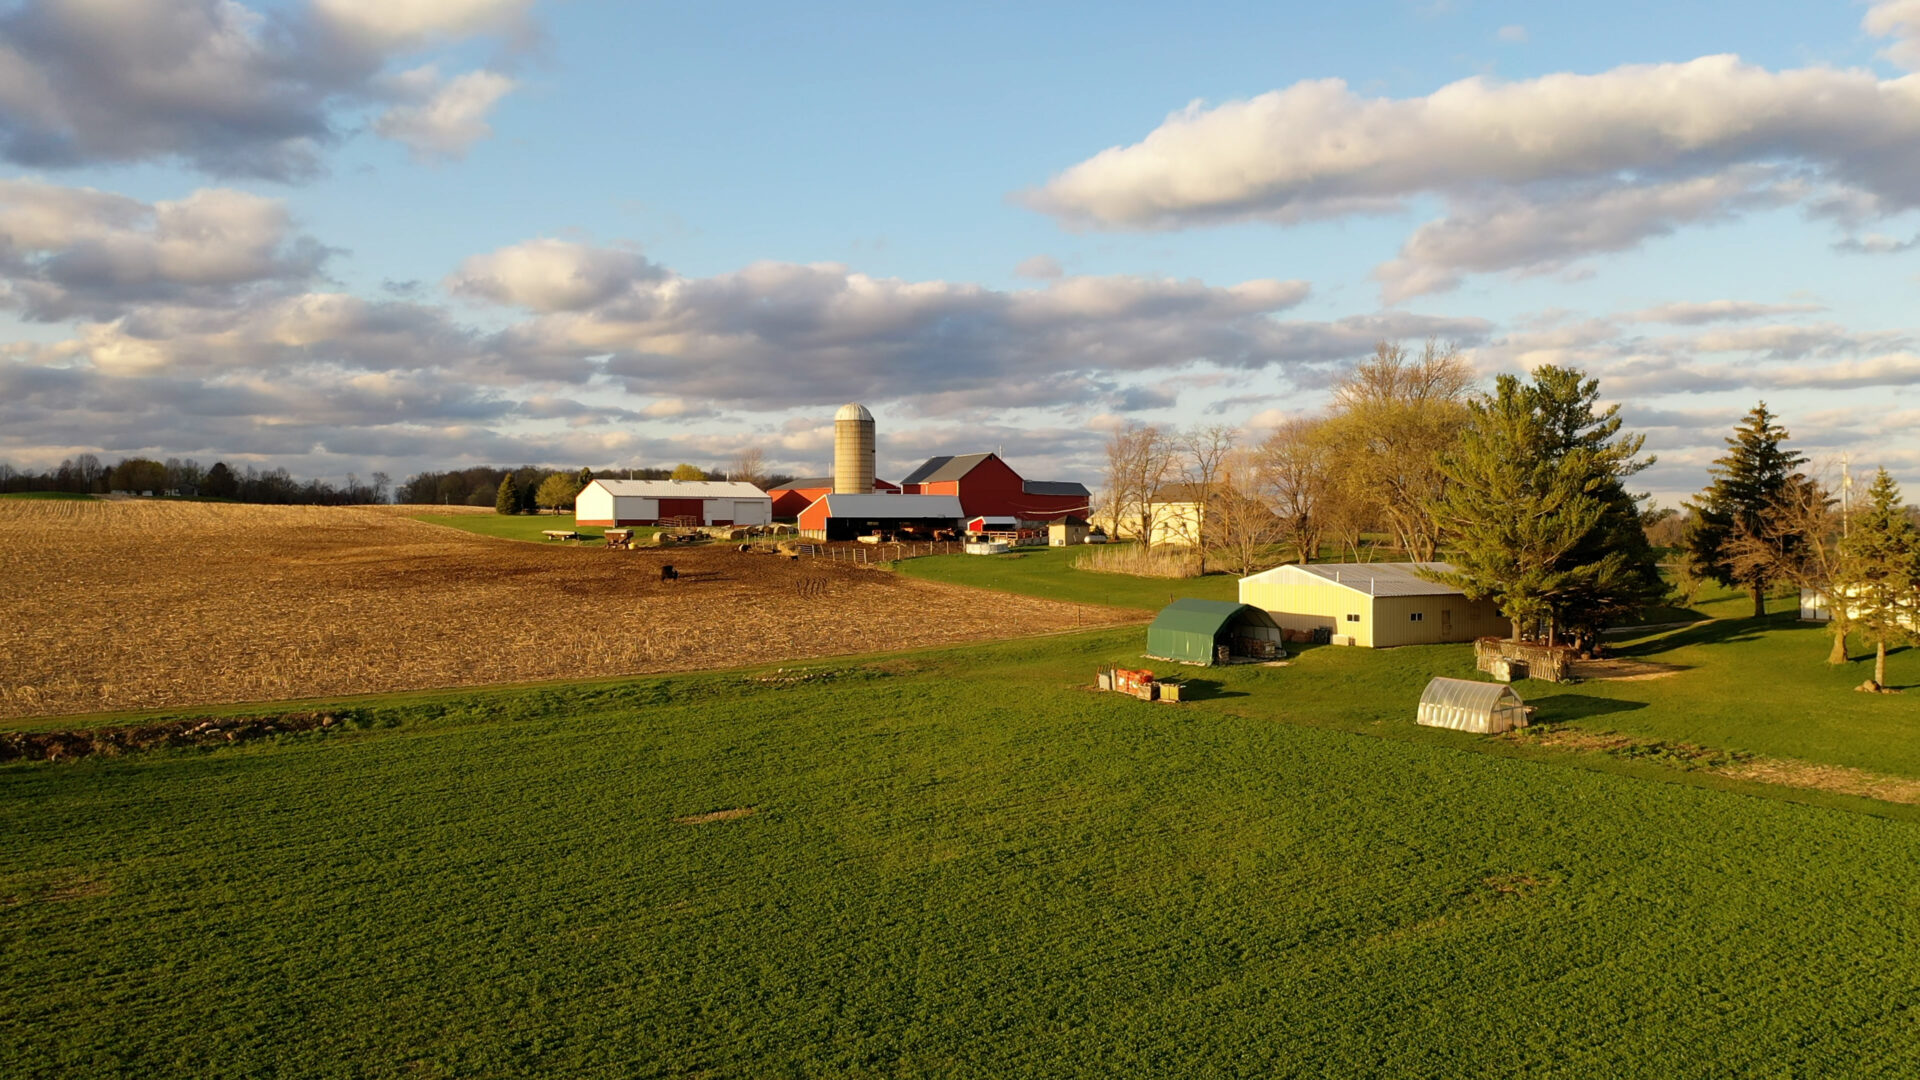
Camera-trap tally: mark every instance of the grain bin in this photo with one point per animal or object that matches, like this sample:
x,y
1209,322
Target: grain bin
x,y
852,450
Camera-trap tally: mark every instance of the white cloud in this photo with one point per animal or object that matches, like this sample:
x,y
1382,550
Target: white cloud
x,y
1042,267
450,119
1899,20
1512,35
229,89
1711,311
551,275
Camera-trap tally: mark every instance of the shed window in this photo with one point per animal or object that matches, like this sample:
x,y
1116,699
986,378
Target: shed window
x,y
1353,618
1417,616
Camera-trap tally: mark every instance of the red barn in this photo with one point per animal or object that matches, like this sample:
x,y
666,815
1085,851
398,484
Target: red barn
x,y
796,495
988,486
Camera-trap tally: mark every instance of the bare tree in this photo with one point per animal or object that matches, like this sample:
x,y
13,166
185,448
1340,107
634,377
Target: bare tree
x,y
1205,452
1139,459
1799,543
1238,523
1393,416
749,465
1296,473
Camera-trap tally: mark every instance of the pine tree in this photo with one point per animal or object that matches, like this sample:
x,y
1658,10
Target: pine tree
x,y
1742,506
584,478
1880,560
507,501
1513,512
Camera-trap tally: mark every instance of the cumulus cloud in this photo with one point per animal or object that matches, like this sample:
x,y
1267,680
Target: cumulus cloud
x,y
229,89
67,252
551,275
1514,34
1041,267
1900,21
1535,173
450,118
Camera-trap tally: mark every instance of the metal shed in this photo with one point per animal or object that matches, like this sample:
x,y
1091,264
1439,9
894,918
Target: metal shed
x,y
1464,705
1195,631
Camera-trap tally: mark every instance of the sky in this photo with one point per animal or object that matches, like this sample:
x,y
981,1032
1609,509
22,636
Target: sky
x,y
343,236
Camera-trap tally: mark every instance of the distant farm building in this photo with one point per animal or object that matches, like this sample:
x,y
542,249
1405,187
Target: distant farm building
x,y
615,503
1465,705
796,495
1067,532
988,486
845,517
1210,631
1373,605
1176,516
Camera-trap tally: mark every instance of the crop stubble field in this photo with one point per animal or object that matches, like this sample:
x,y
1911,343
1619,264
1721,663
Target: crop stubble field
x,y
108,606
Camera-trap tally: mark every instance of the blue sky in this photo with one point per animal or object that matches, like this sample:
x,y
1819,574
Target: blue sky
x,y
612,234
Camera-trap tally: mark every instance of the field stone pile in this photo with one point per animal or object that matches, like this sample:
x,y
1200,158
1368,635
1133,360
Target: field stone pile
x,y
112,741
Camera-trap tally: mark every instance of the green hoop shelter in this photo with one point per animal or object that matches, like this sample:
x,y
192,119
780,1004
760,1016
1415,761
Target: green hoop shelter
x,y
1193,631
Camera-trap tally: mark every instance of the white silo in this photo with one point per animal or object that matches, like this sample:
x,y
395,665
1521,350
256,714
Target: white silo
x,y
853,451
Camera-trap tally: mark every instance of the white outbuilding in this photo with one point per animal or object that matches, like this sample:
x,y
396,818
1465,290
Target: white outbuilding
x,y
614,503
1373,605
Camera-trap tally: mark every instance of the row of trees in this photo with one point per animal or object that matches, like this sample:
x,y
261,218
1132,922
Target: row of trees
x,y
482,485
1763,522
87,475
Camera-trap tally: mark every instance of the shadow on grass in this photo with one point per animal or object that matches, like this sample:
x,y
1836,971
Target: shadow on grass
x,y
1717,632
1207,690
1565,707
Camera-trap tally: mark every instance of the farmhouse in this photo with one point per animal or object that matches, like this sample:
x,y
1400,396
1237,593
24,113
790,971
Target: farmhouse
x,y
1373,605
691,502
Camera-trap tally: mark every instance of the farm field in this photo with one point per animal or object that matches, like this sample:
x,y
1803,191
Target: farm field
x,y
513,526
143,605
1049,572
894,866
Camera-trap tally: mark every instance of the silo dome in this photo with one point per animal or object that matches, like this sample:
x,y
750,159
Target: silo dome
x,y
852,411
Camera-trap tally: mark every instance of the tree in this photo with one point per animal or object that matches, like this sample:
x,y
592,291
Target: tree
x,y
1513,512
1238,522
507,500
750,466
382,484
684,471
1139,460
582,479
1392,418
1296,474
1741,507
220,483
1881,572
1205,450
557,492
1799,543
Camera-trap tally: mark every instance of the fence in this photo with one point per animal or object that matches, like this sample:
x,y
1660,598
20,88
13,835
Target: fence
x,y
869,554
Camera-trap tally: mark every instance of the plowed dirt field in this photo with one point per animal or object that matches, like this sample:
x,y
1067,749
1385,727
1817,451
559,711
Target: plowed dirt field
x,y
144,605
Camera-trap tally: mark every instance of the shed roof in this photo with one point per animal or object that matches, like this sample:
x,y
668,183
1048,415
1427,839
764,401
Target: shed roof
x,y
940,469
682,489
1468,694
1055,487
1193,616
893,507
804,483
1372,579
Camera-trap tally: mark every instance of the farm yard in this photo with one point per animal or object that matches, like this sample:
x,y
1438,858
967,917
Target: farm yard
x,y
108,606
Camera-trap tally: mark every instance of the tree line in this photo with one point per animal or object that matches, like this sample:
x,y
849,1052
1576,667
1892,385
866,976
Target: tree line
x,y
1525,491
86,474
531,489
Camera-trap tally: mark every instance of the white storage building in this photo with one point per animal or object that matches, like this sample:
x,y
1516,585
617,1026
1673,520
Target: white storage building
x,y
651,502
1374,605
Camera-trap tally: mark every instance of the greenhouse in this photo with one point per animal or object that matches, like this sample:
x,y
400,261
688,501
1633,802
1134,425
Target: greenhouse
x,y
1465,705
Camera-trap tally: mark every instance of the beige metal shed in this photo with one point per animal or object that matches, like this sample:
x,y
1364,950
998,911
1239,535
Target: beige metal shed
x,y
1373,605
1465,705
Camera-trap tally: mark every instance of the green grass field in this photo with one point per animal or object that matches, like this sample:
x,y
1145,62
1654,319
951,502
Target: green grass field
x,y
519,526
1049,572
43,495
962,863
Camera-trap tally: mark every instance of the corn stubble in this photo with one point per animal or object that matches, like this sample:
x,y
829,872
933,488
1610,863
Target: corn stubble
x,y
139,605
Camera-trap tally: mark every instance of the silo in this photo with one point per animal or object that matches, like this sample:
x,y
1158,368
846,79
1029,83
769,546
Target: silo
x,y
853,451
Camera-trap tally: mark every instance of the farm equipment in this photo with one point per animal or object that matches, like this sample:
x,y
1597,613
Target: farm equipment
x,y
1138,683
621,539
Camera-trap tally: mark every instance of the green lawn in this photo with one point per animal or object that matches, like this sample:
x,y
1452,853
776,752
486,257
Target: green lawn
x,y
1049,572
961,863
43,495
519,526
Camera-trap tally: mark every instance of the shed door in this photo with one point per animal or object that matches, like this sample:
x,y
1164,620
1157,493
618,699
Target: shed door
x,y
1446,623
690,508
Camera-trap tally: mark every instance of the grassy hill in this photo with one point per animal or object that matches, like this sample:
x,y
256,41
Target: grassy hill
x,y
963,863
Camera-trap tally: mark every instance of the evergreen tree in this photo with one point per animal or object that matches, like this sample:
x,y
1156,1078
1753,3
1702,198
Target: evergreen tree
x,y
1880,560
220,482
581,481
1741,508
1512,512
507,500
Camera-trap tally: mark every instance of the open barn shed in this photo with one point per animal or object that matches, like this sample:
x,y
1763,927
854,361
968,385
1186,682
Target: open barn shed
x,y
1195,631
1465,705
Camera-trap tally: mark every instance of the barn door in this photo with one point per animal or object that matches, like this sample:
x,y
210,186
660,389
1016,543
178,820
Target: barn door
x,y
1446,623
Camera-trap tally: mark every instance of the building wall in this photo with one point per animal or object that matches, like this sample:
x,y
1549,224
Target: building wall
x,y
596,506
1302,602
1442,619
1310,603
788,502
993,489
